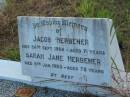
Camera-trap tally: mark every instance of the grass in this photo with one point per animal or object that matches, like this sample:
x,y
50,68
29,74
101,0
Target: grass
x,y
91,8
13,54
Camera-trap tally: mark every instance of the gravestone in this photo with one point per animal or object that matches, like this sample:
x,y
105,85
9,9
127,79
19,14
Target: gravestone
x,y
74,50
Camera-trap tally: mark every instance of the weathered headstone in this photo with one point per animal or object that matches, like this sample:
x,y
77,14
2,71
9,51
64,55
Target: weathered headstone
x,y
75,50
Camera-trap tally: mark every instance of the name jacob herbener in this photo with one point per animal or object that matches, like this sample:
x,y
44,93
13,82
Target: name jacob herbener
x,y
61,40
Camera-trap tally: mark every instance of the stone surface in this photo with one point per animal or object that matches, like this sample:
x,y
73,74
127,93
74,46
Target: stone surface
x,y
74,50
9,88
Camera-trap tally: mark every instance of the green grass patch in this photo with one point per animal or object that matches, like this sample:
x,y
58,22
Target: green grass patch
x,y
91,8
13,54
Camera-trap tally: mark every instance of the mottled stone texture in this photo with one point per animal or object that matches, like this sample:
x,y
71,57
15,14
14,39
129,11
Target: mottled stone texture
x,y
8,89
